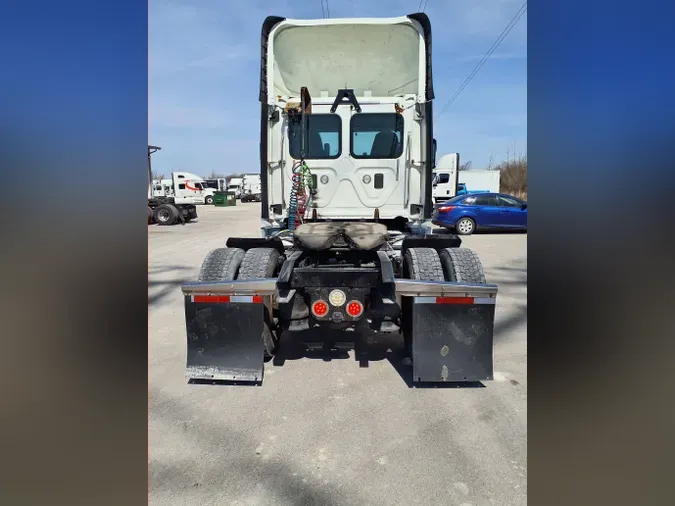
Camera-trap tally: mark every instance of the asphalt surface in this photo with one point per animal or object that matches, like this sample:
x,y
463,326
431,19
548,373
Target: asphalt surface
x,y
331,432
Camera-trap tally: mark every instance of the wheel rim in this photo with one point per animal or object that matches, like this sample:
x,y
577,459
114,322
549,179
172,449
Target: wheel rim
x,y
163,215
465,226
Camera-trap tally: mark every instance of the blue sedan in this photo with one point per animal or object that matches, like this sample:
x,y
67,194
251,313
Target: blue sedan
x,y
467,213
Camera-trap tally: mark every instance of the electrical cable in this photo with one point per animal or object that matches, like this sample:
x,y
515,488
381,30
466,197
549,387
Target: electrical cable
x,y
485,58
293,199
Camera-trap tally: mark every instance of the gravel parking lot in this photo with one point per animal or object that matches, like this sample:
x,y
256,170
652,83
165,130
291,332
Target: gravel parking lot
x,y
330,432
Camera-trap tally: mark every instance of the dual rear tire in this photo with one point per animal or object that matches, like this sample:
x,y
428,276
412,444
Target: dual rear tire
x,y
460,265
227,264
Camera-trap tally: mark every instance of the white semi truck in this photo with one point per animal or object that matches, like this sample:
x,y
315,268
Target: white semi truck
x,y
446,174
173,203
163,187
235,186
190,186
346,158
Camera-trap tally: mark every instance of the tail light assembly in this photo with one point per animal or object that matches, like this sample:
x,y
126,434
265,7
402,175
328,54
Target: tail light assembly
x,y
445,209
320,308
337,307
354,308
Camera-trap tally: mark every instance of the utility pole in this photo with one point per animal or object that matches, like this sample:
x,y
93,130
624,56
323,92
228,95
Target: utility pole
x,y
151,150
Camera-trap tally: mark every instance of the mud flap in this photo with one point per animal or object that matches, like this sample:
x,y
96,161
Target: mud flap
x,y
452,339
224,338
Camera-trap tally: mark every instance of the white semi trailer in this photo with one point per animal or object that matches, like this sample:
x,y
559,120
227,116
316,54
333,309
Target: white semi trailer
x,y
346,159
251,188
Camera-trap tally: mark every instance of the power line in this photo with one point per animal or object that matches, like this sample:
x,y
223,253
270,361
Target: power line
x,y
327,10
485,58
421,8
323,13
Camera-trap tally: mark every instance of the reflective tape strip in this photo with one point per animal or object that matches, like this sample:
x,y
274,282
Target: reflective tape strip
x,y
213,299
455,300
425,300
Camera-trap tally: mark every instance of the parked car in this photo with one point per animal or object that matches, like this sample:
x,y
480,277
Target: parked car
x,y
467,213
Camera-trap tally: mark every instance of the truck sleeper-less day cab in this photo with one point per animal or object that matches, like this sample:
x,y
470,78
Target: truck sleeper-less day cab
x,y
346,155
235,186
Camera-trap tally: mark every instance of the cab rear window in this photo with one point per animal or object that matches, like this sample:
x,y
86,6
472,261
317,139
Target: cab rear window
x,y
377,135
323,137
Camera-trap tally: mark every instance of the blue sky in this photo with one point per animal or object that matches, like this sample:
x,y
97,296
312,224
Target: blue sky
x,y
204,74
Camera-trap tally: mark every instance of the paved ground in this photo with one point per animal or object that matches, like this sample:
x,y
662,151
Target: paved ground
x,y
331,432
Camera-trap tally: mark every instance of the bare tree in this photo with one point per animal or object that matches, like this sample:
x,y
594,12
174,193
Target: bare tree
x,y
157,176
465,165
513,179
491,162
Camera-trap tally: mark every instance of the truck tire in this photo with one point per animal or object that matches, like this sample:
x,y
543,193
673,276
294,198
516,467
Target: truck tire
x,y
221,264
465,226
166,214
262,263
422,264
208,200
259,263
462,265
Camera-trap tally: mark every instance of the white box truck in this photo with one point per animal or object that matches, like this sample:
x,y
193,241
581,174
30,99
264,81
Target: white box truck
x,y
480,180
449,181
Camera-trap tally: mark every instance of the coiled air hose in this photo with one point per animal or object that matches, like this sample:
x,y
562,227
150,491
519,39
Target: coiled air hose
x,y
302,185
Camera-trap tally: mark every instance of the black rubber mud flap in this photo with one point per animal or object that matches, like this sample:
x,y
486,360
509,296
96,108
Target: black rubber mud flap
x,y
452,339
224,339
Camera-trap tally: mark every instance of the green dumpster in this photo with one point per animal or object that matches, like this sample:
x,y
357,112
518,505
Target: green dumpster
x,y
220,199
231,199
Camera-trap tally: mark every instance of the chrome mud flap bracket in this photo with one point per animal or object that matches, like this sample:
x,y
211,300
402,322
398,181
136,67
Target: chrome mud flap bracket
x,y
224,324
449,330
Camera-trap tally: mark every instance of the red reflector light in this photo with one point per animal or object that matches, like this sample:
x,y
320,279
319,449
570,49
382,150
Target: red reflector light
x,y
319,308
211,298
354,308
454,300
445,209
